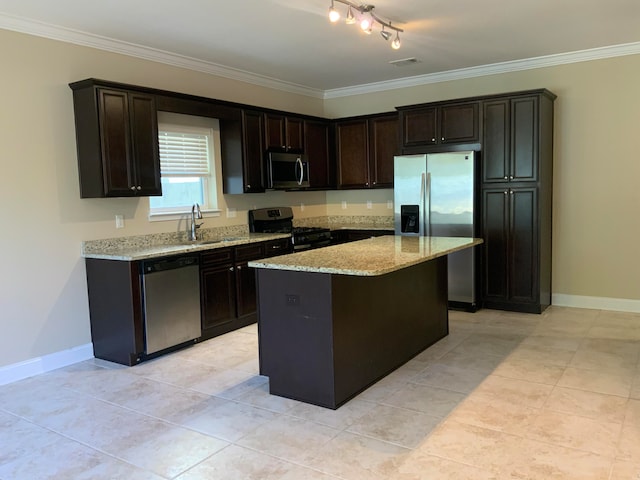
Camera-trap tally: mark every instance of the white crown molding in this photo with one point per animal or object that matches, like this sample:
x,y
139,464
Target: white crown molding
x,y
76,37
492,69
84,39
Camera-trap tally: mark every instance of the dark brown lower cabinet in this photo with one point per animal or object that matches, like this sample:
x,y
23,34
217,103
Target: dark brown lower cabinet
x,y
228,285
512,260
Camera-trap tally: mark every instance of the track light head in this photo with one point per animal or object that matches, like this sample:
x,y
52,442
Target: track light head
x,y
334,15
351,19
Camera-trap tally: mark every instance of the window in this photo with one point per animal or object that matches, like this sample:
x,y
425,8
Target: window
x,y
187,165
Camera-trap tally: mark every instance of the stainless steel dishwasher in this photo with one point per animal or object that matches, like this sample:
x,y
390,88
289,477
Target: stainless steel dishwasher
x,y
171,301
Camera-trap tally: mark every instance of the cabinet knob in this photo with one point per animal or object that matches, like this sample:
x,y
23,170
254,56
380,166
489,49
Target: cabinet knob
x,y
133,188
248,186
231,269
511,177
239,267
442,139
433,140
139,187
505,192
367,184
374,183
510,192
505,177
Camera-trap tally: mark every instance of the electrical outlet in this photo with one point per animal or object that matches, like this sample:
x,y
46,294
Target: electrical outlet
x,y
344,204
369,205
293,300
389,205
231,212
119,221
302,207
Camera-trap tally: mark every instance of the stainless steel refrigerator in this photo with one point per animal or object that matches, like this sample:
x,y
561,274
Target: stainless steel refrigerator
x,y
434,195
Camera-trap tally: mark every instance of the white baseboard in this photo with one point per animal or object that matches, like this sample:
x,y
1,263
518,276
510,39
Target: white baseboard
x,y
35,366
598,303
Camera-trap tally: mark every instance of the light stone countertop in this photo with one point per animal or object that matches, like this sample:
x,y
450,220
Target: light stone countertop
x,y
370,257
119,249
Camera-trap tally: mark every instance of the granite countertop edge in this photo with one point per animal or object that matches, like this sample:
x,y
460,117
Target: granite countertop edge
x,y
319,260
133,253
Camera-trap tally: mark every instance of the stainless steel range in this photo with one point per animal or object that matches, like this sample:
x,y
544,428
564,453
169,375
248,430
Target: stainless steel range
x,y
280,220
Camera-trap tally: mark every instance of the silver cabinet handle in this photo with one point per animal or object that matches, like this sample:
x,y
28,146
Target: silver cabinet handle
x,y
139,187
231,269
505,192
442,139
505,177
133,188
433,140
239,267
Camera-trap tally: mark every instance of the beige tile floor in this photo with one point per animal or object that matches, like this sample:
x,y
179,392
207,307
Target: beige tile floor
x,y
504,396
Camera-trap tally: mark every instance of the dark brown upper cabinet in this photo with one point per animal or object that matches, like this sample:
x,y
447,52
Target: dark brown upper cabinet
x,y
243,153
510,140
284,133
439,124
316,146
365,149
117,141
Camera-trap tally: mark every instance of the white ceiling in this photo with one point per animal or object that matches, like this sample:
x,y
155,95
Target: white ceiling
x,y
291,44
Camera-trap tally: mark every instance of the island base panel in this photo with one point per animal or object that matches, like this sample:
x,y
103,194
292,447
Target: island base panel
x,y
324,338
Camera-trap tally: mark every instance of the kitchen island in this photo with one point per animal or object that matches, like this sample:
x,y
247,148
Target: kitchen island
x,y
334,320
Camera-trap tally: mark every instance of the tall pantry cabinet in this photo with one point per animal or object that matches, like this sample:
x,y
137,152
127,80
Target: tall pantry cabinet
x,y
516,190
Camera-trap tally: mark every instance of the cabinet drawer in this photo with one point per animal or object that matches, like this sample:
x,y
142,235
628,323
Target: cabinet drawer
x,y
277,247
252,251
219,256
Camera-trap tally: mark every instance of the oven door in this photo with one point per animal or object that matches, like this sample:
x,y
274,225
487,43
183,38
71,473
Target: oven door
x,y
287,171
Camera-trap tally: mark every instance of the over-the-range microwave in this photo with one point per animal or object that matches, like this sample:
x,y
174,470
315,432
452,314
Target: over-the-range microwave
x,y
287,171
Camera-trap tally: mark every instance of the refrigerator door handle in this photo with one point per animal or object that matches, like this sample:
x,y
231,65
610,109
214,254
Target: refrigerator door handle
x,y
426,181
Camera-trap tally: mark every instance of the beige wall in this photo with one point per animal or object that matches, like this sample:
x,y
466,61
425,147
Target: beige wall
x,y
43,302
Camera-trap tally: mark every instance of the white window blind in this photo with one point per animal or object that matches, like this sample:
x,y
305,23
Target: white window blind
x,y
184,154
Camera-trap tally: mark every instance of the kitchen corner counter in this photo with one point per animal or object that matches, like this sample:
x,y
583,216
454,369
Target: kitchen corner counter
x,y
370,257
125,250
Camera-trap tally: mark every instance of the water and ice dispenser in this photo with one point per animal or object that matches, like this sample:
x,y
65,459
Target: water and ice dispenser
x,y
409,219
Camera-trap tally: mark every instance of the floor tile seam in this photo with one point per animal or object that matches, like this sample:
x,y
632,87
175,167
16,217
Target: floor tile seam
x,y
575,449
466,464
286,460
606,371
93,448
389,442
572,387
530,381
440,387
544,409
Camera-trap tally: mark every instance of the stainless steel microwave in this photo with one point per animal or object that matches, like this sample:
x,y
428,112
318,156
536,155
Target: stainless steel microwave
x,y
287,171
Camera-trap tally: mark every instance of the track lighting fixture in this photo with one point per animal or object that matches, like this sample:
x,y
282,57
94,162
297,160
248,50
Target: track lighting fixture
x,y
367,20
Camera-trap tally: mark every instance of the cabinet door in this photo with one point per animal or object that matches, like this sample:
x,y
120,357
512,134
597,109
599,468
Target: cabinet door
x,y
217,290
419,127
353,154
496,243
383,134
495,141
253,151
274,127
523,248
294,134
316,147
144,135
246,293
524,139
459,123
115,140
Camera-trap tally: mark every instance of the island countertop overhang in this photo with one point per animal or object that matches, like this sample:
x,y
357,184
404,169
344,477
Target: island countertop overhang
x,y
370,257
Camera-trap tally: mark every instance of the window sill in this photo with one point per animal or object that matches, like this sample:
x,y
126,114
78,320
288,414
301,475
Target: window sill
x,y
165,216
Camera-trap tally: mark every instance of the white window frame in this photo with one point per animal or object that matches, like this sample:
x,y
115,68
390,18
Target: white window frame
x,y
212,184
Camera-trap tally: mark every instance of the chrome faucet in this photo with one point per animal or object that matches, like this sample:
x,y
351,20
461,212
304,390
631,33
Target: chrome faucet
x,y
195,213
